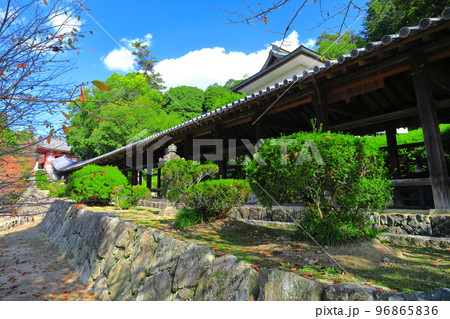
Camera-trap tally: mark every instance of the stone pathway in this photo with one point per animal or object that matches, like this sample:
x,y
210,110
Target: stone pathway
x,y
32,269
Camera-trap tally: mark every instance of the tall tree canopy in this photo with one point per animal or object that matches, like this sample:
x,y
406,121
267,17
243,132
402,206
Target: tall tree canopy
x,y
191,102
387,17
217,95
333,45
185,100
100,127
146,63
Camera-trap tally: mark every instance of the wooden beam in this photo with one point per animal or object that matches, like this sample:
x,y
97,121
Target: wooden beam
x,y
412,111
375,119
288,106
238,122
202,133
413,182
408,145
431,134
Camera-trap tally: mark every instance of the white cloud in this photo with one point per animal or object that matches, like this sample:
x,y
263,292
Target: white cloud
x,y
206,66
121,59
63,24
290,43
146,40
203,67
310,43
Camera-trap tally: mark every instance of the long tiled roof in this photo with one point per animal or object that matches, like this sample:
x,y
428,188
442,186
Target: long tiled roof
x,y
386,40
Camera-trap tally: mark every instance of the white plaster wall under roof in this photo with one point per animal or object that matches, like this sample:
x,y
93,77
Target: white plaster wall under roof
x,y
283,69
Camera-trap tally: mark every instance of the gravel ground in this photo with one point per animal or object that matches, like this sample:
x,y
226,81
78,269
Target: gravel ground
x,y
31,268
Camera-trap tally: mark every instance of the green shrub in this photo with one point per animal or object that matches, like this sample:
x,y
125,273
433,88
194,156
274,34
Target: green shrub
x,y
57,189
187,218
334,229
178,175
175,178
140,191
215,198
94,184
126,197
122,197
334,176
42,181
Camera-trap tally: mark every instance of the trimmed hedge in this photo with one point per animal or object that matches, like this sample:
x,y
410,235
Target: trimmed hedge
x,y
126,197
334,176
215,198
178,175
93,184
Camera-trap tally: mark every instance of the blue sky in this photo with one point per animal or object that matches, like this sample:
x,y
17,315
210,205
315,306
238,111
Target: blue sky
x,y
190,39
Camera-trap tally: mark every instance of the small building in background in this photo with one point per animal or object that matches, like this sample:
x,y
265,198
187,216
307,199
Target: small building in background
x,y
280,65
56,149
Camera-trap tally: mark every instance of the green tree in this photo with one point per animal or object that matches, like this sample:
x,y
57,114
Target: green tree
x,y
102,127
387,17
146,63
333,45
217,95
186,101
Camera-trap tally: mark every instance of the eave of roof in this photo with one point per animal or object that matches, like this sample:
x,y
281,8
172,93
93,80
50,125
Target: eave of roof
x,y
49,149
300,50
386,41
275,54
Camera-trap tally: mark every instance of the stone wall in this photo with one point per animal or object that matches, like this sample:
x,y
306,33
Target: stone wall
x,y
254,212
412,224
396,223
124,261
31,203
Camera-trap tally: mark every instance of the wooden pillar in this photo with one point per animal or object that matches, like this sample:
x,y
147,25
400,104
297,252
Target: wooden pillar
x,y
431,134
187,146
394,166
258,127
140,177
159,181
134,177
321,105
218,134
149,177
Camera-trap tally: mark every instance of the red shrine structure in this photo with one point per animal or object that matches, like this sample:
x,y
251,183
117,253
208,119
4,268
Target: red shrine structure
x,y
56,149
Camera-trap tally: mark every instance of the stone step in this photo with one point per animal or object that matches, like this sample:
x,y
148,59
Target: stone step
x,y
416,240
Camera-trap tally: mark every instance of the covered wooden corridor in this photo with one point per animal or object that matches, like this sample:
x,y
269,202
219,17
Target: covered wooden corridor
x,y
403,80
